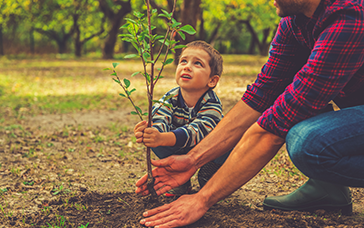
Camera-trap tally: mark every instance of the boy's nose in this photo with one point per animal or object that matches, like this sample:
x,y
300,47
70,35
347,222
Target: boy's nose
x,y
187,67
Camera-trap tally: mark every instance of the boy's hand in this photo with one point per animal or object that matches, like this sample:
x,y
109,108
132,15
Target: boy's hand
x,y
152,137
139,131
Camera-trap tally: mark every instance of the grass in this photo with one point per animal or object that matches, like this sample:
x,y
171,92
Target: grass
x,y
49,86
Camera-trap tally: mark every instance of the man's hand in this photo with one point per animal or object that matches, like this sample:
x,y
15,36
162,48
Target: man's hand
x,y
186,210
171,172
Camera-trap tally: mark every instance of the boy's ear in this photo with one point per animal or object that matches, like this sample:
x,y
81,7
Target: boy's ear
x,y
213,81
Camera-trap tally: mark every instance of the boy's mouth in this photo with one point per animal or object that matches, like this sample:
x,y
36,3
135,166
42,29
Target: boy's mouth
x,y
186,76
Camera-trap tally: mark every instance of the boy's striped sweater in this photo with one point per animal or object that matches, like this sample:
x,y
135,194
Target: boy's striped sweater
x,y
189,127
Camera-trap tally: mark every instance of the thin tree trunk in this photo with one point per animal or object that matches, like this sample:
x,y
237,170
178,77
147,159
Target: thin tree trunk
x,y
1,40
31,40
115,18
189,15
78,43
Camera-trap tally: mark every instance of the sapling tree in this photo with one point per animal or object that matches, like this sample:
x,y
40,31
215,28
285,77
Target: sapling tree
x,y
140,33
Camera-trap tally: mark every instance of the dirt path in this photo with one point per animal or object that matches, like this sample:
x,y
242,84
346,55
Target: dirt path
x,y
80,168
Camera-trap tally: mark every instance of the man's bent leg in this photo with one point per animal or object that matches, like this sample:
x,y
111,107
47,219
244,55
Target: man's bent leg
x,y
209,169
328,148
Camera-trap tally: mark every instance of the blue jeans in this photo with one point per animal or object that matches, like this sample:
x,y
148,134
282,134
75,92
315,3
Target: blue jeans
x,y
330,146
166,151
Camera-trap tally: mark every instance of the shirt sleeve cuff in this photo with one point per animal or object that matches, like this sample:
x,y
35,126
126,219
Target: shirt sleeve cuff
x,y
181,137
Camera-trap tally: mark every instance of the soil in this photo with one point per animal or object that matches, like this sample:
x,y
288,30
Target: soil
x,y
79,170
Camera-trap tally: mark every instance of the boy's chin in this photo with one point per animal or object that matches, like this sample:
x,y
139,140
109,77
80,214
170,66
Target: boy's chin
x,y
192,90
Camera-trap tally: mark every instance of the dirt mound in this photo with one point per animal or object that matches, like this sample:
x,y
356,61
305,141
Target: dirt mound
x,y
125,210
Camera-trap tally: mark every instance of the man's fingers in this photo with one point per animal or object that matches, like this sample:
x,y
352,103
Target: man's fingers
x,y
160,211
142,180
163,162
164,216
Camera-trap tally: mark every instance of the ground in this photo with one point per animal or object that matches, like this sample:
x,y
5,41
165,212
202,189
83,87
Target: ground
x,y
68,157
79,170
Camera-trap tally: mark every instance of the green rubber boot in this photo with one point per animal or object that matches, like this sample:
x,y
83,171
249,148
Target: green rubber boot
x,y
313,195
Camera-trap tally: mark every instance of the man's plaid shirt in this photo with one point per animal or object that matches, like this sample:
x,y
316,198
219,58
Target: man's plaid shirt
x,y
312,61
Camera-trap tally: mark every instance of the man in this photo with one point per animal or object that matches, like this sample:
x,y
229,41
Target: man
x,y
317,56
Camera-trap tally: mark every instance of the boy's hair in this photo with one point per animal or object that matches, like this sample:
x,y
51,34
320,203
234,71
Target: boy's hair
x,y
215,57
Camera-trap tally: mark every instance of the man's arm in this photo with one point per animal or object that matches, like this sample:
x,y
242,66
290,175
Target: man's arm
x,y
226,134
172,171
250,155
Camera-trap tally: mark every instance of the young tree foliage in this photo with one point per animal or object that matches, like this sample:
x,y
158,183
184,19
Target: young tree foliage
x,y
139,31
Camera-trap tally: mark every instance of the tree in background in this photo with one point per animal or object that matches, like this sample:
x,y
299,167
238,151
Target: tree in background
x,y
88,23
257,17
10,14
232,26
114,11
52,19
188,14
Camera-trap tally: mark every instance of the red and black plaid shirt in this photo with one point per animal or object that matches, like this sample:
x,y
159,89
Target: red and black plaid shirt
x,y
312,61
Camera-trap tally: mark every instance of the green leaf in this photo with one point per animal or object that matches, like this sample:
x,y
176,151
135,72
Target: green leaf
x,y
168,97
130,56
135,45
115,65
117,81
139,110
166,43
121,94
188,29
146,55
127,83
132,91
138,14
113,74
147,76
107,69
124,26
154,11
183,36
134,113
165,12
135,73
155,78
127,39
127,35
168,105
159,37
168,61
131,21
163,15
179,46
145,114
174,25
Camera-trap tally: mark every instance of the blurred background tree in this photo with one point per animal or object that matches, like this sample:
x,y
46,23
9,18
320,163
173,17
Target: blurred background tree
x,y
92,26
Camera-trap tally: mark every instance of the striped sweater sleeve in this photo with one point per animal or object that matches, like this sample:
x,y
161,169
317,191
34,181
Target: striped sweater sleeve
x,y
162,119
203,122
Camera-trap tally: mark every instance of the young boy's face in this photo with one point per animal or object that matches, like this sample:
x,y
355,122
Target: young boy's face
x,y
193,71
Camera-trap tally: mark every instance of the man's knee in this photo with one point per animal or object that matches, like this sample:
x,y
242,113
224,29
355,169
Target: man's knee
x,y
303,145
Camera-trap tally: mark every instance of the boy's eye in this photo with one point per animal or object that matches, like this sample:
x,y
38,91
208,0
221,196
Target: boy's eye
x,y
183,61
198,63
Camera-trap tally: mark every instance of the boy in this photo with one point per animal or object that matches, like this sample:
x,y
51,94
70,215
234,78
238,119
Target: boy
x,y
195,110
